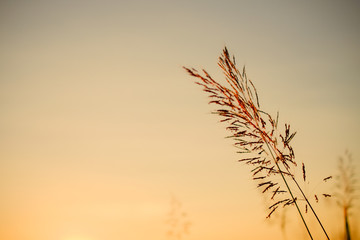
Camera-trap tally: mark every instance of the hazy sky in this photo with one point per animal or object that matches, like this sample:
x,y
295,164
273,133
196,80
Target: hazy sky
x,y
100,126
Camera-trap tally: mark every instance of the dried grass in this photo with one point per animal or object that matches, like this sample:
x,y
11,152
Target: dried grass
x,y
346,186
256,135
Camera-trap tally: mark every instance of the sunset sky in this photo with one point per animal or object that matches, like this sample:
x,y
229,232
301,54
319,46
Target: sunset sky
x,y
101,129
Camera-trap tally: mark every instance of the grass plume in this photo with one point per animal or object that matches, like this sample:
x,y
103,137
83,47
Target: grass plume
x,y
346,185
177,221
256,135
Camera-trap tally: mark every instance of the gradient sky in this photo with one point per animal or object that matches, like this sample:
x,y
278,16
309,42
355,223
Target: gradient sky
x,y
100,126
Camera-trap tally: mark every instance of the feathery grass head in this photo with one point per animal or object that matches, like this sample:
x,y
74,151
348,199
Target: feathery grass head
x,y
256,135
253,130
346,194
346,182
177,221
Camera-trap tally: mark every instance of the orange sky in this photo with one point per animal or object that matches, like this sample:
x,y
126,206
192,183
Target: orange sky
x,y
100,126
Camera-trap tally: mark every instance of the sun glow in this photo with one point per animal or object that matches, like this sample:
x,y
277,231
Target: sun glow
x,y
77,238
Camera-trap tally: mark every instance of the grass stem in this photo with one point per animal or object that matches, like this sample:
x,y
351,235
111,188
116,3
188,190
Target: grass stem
x,y
313,211
288,188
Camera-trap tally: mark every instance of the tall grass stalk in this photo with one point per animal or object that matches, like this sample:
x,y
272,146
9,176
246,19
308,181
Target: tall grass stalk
x,y
290,192
256,135
346,184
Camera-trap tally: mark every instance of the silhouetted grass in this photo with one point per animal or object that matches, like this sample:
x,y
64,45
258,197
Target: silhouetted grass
x,y
346,184
177,221
257,137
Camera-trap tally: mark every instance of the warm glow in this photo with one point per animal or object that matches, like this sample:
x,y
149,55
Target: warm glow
x,y
100,125
77,238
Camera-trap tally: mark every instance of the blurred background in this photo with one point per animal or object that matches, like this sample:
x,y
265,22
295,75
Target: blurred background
x,y
104,136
